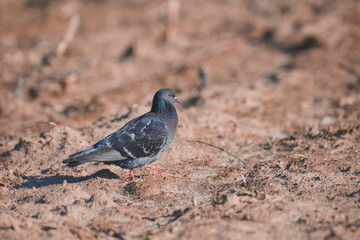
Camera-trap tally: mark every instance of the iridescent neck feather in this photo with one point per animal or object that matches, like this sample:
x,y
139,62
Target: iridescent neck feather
x,y
166,110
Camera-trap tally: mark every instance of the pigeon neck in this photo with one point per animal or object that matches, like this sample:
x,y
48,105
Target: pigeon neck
x,y
166,110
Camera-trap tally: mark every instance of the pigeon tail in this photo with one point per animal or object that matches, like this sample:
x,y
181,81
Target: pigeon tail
x,y
74,161
78,158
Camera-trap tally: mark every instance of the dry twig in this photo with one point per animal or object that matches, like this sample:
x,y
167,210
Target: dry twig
x,y
21,174
172,19
260,194
19,90
67,38
69,35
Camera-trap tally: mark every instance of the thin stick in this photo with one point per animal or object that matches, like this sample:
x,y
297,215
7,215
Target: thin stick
x,y
69,35
259,184
18,92
243,178
268,140
204,79
172,19
22,174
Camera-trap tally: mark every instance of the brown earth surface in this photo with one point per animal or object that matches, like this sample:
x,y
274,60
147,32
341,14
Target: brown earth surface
x,y
280,89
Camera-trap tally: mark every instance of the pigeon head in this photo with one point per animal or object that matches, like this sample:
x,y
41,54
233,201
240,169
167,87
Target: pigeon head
x,y
162,99
167,95
163,105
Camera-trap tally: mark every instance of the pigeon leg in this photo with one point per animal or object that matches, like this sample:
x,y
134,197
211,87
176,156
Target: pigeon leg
x,y
152,167
131,175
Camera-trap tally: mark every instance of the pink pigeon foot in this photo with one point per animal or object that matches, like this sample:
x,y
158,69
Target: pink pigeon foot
x,y
131,175
152,167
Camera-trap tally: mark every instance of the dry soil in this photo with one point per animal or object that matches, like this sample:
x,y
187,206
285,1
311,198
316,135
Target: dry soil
x,y
277,83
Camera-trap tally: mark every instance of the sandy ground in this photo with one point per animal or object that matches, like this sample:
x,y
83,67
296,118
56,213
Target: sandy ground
x,y
280,90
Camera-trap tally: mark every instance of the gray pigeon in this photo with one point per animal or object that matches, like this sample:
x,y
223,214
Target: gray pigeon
x,y
140,141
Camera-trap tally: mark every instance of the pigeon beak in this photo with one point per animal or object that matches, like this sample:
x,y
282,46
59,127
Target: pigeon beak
x,y
176,100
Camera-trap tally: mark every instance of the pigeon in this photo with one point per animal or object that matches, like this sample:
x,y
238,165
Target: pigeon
x,y
139,142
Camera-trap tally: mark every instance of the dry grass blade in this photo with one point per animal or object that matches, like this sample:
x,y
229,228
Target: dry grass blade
x,y
19,89
17,179
268,140
172,19
69,35
260,194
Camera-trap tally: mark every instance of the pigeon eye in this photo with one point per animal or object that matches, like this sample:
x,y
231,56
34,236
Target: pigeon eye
x,y
170,95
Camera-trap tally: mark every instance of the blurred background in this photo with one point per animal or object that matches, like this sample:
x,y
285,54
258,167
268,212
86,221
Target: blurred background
x,y
120,52
275,81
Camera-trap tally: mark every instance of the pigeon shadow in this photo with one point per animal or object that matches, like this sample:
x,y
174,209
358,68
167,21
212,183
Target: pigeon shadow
x,y
59,179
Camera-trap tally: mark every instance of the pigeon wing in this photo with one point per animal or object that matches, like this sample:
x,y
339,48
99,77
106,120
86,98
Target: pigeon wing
x,y
144,137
